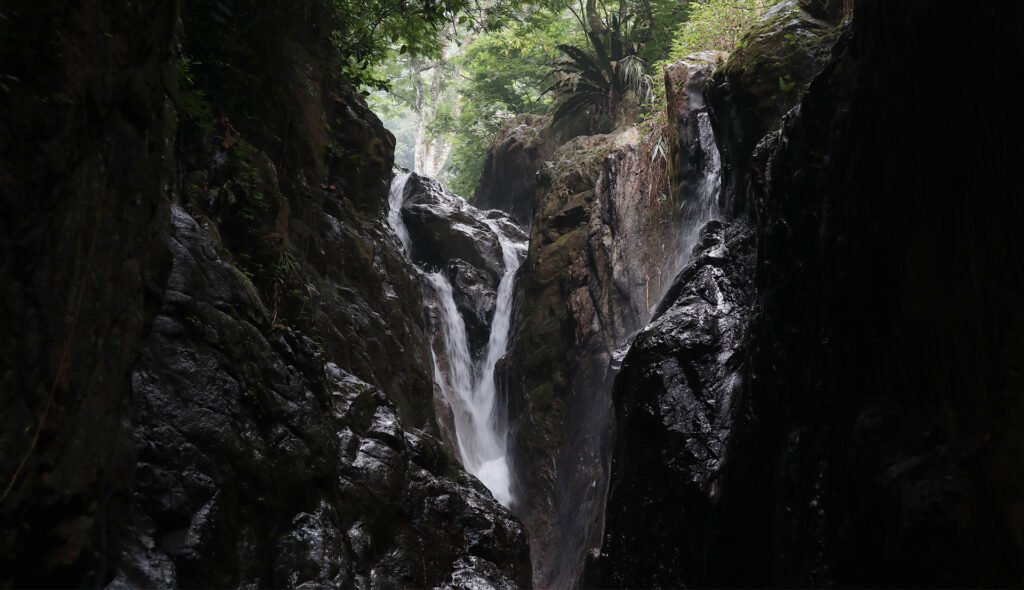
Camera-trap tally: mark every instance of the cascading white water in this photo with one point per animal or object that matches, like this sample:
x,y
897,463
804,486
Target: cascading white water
x,y
469,387
395,199
702,206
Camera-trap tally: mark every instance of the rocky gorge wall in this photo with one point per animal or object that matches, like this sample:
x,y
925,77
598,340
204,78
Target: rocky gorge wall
x,y
605,243
832,398
217,370
203,308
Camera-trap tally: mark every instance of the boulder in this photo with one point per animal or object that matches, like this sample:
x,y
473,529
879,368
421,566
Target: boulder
x,y
451,236
509,176
261,463
443,228
675,398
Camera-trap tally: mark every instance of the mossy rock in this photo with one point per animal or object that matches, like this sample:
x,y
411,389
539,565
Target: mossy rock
x,y
764,77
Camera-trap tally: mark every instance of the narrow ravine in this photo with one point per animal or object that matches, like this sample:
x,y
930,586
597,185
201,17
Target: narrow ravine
x,y
465,376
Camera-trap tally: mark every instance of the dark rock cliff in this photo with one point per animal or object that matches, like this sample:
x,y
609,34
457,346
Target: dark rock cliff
x,y
604,246
874,433
675,398
682,389
763,79
508,180
202,312
86,138
259,462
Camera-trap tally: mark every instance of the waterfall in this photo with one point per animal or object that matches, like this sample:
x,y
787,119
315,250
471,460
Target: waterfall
x,y
395,199
469,386
701,206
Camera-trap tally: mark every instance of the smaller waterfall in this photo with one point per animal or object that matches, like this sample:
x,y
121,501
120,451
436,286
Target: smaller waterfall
x,y
701,206
395,198
469,386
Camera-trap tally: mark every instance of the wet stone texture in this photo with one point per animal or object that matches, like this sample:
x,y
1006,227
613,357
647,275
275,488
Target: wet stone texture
x,y
261,464
451,236
508,180
674,404
875,433
602,249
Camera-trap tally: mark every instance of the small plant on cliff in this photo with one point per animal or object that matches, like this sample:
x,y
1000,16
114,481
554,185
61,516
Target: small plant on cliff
x,y
710,25
717,25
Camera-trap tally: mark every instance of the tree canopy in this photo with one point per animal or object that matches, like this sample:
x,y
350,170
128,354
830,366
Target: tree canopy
x,y
447,75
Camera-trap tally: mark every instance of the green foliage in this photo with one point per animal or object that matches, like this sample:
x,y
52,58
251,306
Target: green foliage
x,y
716,25
349,37
709,25
508,67
368,32
666,16
193,101
505,73
487,77
596,78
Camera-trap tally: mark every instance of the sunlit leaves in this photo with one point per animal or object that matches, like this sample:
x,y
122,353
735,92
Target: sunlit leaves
x,y
717,24
367,32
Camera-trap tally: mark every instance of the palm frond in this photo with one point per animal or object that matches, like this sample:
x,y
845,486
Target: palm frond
x,y
633,77
577,103
586,61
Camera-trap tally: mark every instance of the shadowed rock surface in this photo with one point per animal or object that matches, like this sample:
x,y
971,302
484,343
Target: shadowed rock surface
x,y
216,371
607,237
260,463
876,432
675,402
762,79
508,180
83,204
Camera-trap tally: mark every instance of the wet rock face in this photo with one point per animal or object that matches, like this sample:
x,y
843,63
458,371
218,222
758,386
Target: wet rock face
x,y
260,463
509,177
675,402
761,80
690,138
600,243
880,412
615,217
85,136
442,229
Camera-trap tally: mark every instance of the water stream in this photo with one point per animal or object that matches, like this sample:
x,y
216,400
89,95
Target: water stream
x,y
467,384
701,206
396,197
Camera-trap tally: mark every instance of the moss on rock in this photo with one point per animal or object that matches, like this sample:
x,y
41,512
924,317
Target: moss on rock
x,y
762,79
